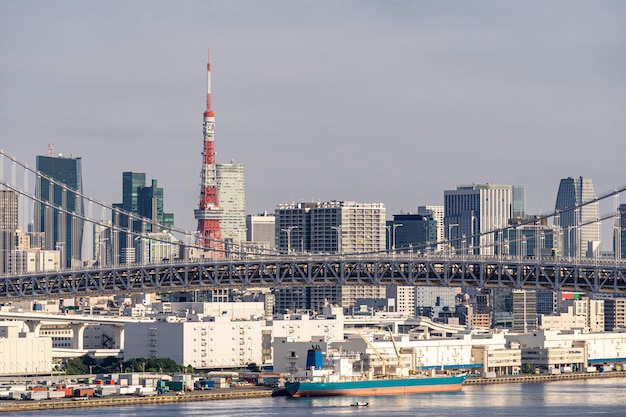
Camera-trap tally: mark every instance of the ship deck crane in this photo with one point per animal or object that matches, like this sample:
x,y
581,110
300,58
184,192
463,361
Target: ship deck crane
x,y
395,347
376,352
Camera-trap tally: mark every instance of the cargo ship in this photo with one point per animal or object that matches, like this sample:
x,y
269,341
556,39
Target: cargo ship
x,y
324,383
383,386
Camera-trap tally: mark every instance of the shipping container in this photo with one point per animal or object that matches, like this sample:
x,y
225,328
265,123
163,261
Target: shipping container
x,y
67,392
56,394
176,385
84,392
35,395
204,384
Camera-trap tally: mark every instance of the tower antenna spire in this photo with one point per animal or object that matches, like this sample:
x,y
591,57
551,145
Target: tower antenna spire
x,y
208,86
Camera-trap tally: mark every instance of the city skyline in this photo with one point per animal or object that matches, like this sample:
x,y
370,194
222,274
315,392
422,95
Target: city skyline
x,y
444,85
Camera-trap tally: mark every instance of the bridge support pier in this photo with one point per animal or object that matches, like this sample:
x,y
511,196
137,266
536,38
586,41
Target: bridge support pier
x,y
33,326
78,330
118,335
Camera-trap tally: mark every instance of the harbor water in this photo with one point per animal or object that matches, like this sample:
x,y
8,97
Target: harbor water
x,y
562,398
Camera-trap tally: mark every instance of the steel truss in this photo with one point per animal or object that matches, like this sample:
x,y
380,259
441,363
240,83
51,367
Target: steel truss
x,y
550,274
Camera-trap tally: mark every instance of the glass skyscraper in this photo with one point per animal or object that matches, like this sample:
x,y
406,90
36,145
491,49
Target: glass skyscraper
x,y
578,224
145,202
63,230
231,197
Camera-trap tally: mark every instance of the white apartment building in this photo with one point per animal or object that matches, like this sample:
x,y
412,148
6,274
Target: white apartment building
x,y
330,227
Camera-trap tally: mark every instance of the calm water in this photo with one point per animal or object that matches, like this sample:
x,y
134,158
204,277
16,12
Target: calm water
x,y
570,398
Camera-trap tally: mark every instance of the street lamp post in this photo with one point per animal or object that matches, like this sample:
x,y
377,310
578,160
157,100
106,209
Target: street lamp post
x,y
393,235
463,252
339,238
571,247
288,231
497,240
102,250
450,226
59,246
617,238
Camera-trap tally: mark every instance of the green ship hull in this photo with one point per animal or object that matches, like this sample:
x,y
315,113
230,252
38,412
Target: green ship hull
x,y
373,387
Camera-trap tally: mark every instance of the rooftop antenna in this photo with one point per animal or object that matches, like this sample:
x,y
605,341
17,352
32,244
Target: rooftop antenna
x,y
51,149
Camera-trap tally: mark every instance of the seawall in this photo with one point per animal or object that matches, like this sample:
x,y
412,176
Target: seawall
x,y
520,379
231,394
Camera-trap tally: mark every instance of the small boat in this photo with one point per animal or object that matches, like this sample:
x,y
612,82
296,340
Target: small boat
x,y
360,404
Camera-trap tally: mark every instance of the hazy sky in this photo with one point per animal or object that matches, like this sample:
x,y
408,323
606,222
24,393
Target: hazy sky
x,y
370,101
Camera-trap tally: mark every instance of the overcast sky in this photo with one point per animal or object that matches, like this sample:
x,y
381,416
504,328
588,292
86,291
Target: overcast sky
x,y
372,101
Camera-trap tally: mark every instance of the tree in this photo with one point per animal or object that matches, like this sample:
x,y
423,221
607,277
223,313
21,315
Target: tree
x,y
80,366
527,368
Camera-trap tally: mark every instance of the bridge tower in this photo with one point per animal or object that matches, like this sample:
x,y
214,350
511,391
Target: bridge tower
x,y
209,213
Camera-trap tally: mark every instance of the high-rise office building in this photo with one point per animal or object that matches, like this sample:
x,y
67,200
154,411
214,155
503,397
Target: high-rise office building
x,y
413,233
437,214
578,224
614,314
8,226
232,200
473,211
141,212
502,307
524,311
8,210
547,302
525,238
435,300
519,201
63,230
260,230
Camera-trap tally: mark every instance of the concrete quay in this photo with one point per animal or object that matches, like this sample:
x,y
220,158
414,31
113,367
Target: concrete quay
x,y
226,394
521,379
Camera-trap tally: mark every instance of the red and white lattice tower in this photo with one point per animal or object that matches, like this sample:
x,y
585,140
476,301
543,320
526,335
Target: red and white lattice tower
x,y
209,213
